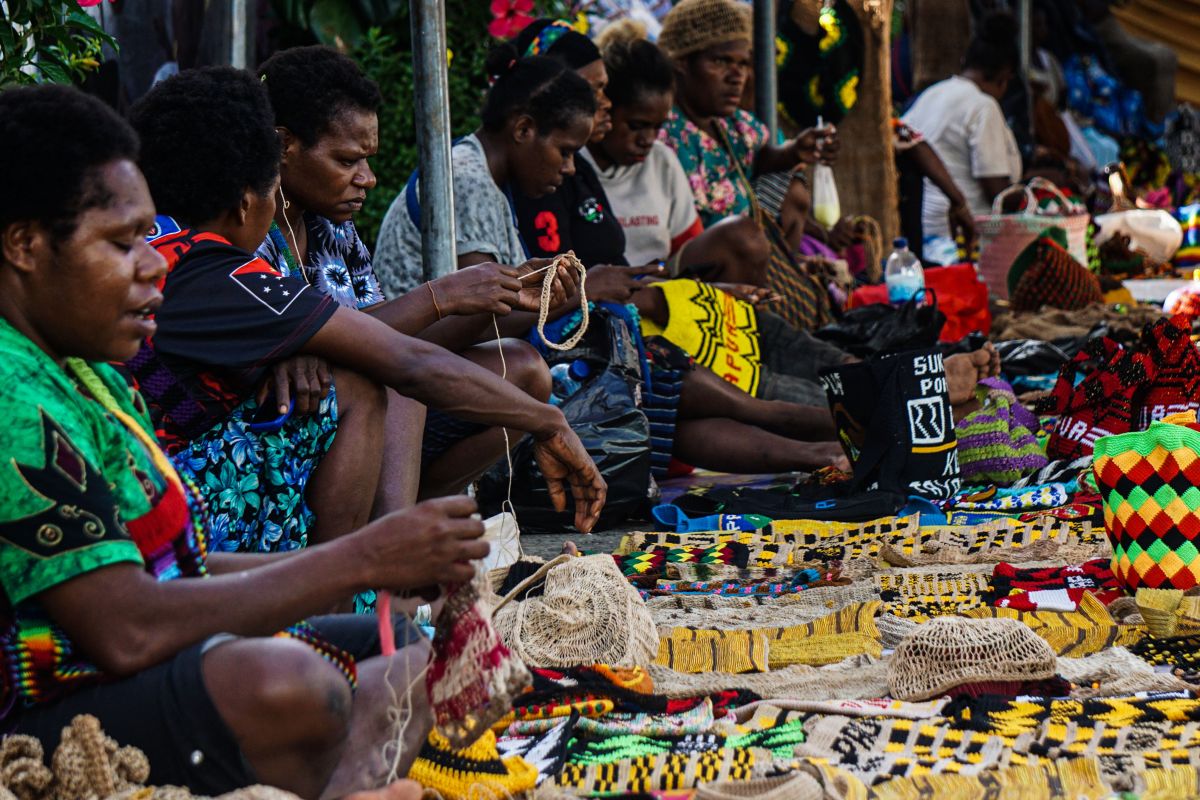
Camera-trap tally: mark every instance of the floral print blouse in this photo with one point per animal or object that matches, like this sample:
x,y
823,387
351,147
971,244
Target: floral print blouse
x,y
716,186
339,264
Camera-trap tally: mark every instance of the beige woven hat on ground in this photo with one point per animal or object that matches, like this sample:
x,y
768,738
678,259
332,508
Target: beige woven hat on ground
x,y
949,651
588,613
693,25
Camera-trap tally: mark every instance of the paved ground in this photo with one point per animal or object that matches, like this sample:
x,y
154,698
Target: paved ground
x,y
549,545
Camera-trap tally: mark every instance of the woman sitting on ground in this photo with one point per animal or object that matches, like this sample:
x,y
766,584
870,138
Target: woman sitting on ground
x,y
723,148
228,318
112,606
326,113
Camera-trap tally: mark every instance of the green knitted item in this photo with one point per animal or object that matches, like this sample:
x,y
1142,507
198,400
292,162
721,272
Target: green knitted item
x,y
996,443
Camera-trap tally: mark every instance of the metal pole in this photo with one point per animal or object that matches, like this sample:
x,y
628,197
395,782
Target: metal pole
x,y
239,30
765,94
432,94
1025,42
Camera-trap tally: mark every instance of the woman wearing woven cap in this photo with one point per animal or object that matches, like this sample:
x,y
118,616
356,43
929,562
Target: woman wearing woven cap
x,y
723,148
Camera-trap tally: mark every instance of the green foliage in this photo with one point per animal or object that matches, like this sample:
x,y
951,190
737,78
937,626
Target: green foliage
x,y
385,54
48,41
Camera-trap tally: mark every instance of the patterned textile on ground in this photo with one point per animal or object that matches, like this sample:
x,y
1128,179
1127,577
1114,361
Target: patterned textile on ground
x,y
1052,588
1088,630
88,764
478,770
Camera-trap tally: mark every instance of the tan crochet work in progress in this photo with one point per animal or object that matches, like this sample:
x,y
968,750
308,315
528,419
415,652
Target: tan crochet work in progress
x,y
587,614
694,25
87,765
949,651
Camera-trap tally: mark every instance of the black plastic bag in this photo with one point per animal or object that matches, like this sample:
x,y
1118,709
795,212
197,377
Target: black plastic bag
x,y
605,413
835,503
879,328
894,421
1020,357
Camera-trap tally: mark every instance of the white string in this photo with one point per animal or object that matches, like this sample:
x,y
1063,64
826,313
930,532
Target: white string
x,y
400,711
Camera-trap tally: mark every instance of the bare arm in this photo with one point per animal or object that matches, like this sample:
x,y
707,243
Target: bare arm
x,y
125,621
962,221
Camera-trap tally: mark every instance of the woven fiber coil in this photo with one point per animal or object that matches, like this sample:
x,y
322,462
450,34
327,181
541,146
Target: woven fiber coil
x,y
950,651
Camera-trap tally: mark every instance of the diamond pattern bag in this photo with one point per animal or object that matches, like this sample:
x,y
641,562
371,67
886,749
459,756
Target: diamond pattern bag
x,y
1150,482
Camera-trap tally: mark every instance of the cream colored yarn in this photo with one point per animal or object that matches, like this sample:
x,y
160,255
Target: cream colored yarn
x,y
693,25
87,765
949,651
588,614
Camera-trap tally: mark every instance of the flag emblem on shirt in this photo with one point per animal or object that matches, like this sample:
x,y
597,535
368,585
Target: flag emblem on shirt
x,y
267,285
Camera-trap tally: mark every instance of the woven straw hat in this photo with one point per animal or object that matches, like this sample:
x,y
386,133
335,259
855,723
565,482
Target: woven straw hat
x,y
588,613
949,651
693,25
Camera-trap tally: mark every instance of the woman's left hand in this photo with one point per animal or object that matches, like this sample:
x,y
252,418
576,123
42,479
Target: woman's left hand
x,y
307,379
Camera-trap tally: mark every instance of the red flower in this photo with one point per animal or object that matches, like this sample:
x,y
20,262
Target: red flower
x,y
509,17
88,3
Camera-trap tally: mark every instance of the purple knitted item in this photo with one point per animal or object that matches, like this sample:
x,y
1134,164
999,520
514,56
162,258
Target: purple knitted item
x,y
997,444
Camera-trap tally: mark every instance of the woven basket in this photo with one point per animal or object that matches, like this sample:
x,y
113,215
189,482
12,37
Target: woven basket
x,y
1002,237
1148,480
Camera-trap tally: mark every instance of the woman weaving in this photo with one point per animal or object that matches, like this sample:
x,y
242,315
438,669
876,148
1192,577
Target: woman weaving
x,y
113,605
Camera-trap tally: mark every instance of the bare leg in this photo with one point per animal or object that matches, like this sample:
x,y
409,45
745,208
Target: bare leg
x,y
400,475
300,727
342,488
730,446
734,250
288,708
365,763
705,395
466,460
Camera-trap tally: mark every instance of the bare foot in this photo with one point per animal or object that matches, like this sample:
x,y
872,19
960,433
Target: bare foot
x,y
825,454
569,548
400,790
965,370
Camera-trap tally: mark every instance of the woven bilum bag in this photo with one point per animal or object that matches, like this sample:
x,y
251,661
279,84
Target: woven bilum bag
x,y
1150,483
950,651
587,613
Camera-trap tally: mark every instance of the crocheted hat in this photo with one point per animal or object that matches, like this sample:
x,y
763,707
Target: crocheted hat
x,y
996,443
1045,274
693,25
949,651
1148,480
475,771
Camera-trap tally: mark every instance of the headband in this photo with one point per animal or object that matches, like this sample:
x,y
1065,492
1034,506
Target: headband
x,y
568,45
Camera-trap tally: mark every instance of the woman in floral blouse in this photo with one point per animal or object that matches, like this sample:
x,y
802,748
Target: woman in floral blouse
x,y
723,148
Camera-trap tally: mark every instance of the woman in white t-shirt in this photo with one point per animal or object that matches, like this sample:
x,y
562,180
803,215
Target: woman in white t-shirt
x,y
647,188
961,120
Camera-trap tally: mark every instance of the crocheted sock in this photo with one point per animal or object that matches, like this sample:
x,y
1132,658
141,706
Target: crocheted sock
x,y
472,676
475,771
1176,384
1052,588
997,443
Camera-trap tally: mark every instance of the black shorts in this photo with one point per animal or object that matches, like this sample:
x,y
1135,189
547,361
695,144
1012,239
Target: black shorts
x,y
166,711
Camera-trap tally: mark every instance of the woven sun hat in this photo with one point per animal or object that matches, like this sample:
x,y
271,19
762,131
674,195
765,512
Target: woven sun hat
x,y
693,25
949,651
588,613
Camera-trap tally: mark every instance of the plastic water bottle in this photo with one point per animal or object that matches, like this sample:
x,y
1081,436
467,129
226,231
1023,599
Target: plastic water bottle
x,y
904,276
567,378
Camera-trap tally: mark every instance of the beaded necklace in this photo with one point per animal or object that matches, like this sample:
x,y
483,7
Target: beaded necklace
x,y
280,242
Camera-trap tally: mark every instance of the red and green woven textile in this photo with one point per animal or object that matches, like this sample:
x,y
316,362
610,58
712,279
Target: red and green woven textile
x,y
1150,482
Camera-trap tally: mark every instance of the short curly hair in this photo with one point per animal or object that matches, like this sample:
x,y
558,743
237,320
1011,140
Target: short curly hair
x,y
207,136
53,142
310,86
551,93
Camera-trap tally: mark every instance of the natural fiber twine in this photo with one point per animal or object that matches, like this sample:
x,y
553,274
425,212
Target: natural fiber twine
x,y
87,765
949,651
694,25
588,614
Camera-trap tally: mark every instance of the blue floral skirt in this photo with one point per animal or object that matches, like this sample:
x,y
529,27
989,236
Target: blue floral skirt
x,y
254,481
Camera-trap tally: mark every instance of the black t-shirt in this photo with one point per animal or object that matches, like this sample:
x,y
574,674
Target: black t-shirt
x,y
226,317
576,217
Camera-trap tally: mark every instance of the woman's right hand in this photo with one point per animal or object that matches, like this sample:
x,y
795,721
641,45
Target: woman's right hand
x,y
434,542
486,288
